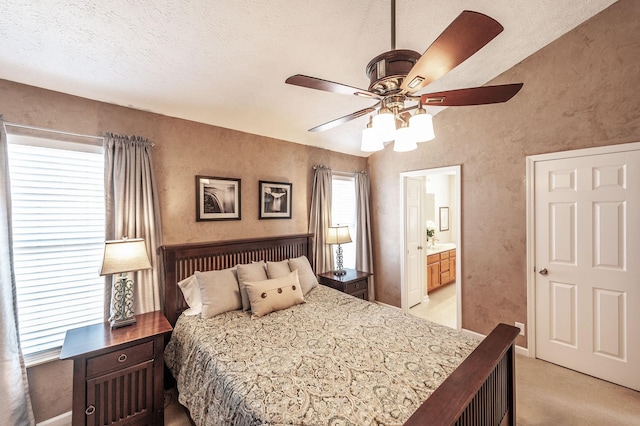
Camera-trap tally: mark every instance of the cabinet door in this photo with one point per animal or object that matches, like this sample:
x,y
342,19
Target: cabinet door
x,y
433,274
122,396
452,266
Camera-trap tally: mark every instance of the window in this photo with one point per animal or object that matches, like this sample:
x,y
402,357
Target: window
x,y
343,212
58,219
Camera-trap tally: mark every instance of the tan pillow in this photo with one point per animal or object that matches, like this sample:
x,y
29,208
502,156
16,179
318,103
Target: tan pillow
x,y
249,272
278,269
274,295
219,291
308,279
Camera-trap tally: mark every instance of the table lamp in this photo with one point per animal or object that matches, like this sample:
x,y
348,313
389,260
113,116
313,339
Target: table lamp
x,y
120,257
338,235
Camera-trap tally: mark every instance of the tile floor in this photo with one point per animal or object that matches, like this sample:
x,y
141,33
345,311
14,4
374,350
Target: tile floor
x,y
440,308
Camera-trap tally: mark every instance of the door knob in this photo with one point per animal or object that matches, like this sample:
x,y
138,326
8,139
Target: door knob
x,y
419,247
544,271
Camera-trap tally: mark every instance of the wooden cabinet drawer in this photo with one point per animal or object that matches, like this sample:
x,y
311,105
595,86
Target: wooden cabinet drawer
x,y
433,258
444,255
445,265
119,359
444,278
356,287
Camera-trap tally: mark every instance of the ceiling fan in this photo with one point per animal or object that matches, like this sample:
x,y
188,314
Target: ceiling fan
x,y
395,77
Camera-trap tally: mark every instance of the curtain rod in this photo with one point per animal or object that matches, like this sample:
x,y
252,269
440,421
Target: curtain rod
x,y
43,129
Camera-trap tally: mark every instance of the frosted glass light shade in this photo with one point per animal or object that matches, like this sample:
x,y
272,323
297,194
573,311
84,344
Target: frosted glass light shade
x,y
385,125
422,127
370,140
405,140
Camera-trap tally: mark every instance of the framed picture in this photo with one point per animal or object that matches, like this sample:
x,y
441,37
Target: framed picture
x,y
275,200
444,218
217,198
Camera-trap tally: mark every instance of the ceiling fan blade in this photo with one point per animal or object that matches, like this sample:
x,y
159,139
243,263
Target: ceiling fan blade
x,y
328,86
338,121
472,96
467,34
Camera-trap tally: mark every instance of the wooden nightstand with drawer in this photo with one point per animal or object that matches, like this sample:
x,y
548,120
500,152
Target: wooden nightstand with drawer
x,y
355,283
118,374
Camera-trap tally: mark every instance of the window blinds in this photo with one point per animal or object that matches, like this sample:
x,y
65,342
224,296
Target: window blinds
x,y
58,219
343,212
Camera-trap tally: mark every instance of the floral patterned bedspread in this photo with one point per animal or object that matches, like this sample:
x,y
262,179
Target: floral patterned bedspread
x,y
335,360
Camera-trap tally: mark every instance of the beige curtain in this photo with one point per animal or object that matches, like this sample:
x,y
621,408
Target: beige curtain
x,y
320,219
364,253
133,210
14,388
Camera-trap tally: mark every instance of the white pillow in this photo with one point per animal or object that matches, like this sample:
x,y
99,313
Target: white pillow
x,y
219,291
308,279
274,295
250,272
191,293
278,269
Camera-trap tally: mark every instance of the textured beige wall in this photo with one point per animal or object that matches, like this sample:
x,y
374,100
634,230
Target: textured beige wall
x,y
580,91
183,149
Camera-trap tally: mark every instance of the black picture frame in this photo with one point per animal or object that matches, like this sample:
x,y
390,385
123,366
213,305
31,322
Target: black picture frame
x,y
444,218
275,200
218,198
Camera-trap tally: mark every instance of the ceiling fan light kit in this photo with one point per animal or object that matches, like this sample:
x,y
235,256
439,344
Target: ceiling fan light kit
x,y
397,75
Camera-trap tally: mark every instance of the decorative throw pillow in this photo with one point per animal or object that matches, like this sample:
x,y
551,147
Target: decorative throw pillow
x,y
219,291
274,295
250,272
308,279
191,293
278,269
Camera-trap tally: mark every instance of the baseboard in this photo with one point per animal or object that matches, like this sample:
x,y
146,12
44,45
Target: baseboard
x,y
63,419
388,306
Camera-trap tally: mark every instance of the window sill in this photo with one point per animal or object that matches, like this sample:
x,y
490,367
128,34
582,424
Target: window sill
x,y
43,357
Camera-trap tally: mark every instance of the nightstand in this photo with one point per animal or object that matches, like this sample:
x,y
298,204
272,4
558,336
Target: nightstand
x,y
355,283
118,374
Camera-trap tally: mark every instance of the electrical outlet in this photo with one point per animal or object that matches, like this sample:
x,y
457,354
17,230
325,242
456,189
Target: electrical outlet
x,y
521,327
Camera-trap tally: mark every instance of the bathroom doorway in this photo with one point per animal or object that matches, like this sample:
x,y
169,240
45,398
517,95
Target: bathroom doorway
x,y
438,265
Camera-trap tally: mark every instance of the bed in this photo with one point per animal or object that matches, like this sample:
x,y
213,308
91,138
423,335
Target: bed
x,y
288,370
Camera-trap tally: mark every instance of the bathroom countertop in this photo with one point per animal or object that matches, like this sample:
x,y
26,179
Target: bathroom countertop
x,y
439,248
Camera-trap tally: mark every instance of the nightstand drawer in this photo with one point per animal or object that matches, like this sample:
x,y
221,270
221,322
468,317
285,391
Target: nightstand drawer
x,y
119,359
356,286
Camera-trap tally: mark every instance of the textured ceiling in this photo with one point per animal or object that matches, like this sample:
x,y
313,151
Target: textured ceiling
x,y
224,62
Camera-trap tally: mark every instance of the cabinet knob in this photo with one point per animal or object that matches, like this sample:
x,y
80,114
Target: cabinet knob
x,y
90,410
122,358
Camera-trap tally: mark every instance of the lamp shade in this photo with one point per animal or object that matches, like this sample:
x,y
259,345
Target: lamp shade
x,y
124,256
338,235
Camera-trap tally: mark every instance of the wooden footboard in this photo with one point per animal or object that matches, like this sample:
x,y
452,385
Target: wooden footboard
x,y
481,391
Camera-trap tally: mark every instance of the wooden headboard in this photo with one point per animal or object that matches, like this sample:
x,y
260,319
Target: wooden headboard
x,y
182,260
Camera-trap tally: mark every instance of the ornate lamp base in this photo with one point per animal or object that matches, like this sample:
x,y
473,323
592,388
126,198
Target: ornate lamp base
x,y
122,303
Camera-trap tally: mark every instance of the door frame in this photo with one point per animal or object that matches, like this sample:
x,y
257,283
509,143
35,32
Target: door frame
x,y
530,223
458,223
